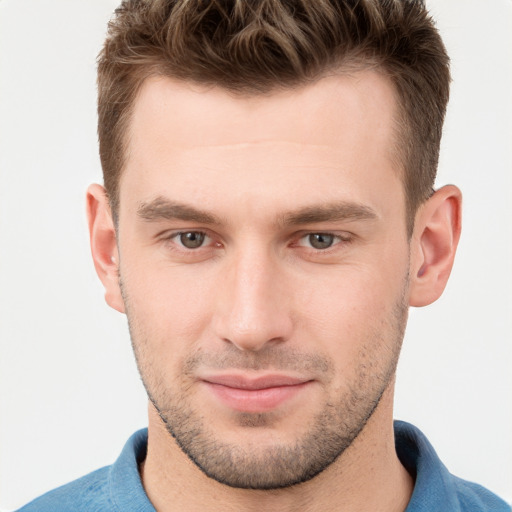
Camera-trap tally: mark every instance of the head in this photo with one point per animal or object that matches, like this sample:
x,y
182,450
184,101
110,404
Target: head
x,y
268,218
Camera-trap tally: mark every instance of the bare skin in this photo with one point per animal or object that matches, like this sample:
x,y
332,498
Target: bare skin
x,y
266,274
382,486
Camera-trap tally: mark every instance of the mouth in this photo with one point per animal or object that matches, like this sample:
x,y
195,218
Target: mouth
x,y
255,394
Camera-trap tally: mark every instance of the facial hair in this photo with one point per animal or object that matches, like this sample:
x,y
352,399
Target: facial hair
x,y
279,464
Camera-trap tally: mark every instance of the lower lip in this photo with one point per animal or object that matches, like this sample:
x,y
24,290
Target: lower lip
x,y
255,400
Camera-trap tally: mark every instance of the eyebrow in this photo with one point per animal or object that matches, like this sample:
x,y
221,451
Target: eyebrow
x,y
166,209
340,211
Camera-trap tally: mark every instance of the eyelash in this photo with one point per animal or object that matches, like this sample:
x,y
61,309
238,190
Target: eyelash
x,y
339,239
176,236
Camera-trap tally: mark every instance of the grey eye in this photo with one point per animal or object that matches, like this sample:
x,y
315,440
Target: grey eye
x,y
320,240
192,239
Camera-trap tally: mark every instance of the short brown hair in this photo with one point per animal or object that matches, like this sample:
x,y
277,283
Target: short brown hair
x,y
256,46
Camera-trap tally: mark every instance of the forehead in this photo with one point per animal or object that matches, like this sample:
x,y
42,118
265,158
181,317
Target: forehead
x,y
302,115
331,140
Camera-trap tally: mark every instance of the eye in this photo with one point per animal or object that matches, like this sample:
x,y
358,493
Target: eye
x,y
322,241
191,239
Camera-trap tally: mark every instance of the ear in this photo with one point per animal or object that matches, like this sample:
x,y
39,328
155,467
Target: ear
x,y
433,245
104,250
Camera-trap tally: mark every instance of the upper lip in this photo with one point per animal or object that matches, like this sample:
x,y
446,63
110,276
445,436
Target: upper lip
x,y
256,382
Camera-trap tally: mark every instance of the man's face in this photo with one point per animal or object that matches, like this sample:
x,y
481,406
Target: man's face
x,y
264,267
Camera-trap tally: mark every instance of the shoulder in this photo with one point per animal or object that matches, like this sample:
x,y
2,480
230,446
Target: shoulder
x,y
89,492
475,498
115,488
435,488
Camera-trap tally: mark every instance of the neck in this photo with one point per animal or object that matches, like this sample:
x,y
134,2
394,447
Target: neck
x,y
367,476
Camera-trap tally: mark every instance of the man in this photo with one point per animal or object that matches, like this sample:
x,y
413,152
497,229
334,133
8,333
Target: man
x,y
267,219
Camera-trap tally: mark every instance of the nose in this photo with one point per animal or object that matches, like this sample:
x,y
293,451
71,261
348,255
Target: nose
x,y
253,308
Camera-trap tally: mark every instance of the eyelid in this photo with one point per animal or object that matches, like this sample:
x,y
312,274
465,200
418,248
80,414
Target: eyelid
x,y
341,240
342,236
211,240
172,236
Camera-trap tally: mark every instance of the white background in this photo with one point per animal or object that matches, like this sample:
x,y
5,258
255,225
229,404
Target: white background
x,y
70,393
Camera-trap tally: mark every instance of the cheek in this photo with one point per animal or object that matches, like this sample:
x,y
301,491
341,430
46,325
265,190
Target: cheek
x,y
167,306
353,308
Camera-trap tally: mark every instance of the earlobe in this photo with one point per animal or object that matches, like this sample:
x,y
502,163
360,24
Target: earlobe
x,y
103,241
434,244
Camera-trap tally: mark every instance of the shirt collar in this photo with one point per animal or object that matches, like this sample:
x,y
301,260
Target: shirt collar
x,y
433,487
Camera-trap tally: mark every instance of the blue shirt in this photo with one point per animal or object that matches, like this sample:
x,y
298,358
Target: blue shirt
x,y
118,488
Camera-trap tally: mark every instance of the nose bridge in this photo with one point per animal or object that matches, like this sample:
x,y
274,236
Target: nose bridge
x,y
253,310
